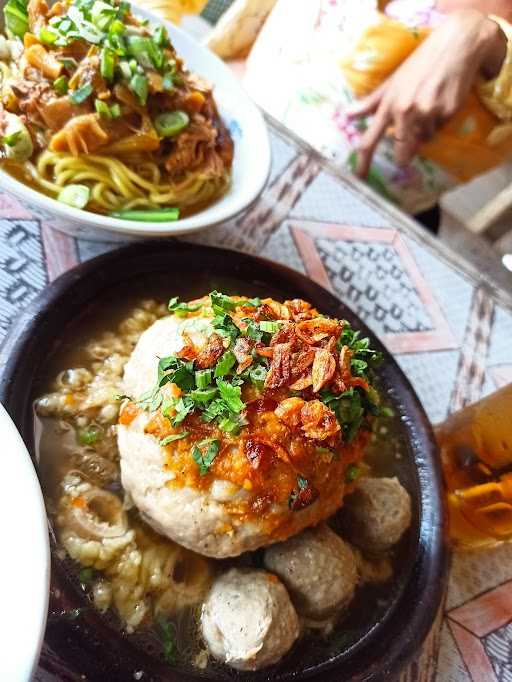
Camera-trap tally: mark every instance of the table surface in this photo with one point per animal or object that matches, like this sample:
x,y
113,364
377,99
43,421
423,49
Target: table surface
x,y
447,327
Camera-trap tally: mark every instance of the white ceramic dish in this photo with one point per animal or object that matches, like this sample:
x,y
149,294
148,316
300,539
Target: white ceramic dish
x,y
251,164
25,564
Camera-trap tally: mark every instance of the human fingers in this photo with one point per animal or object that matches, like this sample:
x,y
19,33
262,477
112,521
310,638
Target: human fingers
x,y
370,139
368,105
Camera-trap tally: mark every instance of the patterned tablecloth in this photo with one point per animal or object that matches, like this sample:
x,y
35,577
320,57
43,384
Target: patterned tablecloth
x,y
449,331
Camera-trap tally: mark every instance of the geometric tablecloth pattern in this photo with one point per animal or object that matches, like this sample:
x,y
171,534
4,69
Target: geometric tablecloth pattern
x,y
450,331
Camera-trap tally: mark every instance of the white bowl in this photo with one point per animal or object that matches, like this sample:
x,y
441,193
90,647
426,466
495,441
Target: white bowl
x,y
25,564
251,164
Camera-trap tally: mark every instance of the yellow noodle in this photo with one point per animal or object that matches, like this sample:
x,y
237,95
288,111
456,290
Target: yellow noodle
x,y
114,184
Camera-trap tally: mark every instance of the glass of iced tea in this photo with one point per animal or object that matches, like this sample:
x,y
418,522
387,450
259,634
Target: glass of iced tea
x,y
476,452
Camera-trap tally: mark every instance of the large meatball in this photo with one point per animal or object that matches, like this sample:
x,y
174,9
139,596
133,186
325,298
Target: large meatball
x,y
236,505
377,513
248,620
318,568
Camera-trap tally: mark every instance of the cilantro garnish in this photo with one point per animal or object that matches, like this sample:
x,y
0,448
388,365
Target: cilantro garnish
x,y
165,632
222,303
363,357
231,395
174,437
224,325
225,364
182,309
183,407
176,371
204,453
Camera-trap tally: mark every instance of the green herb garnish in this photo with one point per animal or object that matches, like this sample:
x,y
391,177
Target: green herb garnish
x,y
170,123
174,437
203,378
12,139
222,303
89,435
60,85
139,85
182,309
270,327
204,453
86,575
231,395
166,635
81,94
16,17
225,364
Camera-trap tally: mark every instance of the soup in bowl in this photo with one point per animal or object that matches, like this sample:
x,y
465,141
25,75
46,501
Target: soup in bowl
x,y
230,476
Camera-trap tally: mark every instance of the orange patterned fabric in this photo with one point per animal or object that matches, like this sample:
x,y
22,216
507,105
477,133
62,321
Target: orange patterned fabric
x,y
464,146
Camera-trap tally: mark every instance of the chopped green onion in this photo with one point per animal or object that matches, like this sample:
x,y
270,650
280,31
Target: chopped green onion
x,y
102,108
225,364
117,27
203,378
257,376
75,195
386,412
126,72
89,435
60,85
270,327
107,63
168,81
86,575
139,85
170,123
68,63
102,14
155,215
116,43
47,36
12,139
81,94
203,395
166,635
174,437
139,47
160,36
16,17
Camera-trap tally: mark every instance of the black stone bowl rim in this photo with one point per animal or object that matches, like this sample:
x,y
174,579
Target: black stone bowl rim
x,y
391,643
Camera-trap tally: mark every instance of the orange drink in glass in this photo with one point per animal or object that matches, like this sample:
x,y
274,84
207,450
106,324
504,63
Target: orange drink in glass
x,y
476,452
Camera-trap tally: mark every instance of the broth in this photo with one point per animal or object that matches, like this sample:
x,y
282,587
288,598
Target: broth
x,y
56,441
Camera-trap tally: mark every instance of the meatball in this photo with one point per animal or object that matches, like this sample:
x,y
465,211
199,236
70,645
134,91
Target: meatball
x,y
377,513
318,568
220,518
248,620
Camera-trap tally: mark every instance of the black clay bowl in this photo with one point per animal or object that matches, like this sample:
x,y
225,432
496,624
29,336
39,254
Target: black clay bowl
x,y
385,626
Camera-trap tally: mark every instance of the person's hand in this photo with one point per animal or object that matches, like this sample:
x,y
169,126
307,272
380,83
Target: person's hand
x,y
430,85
